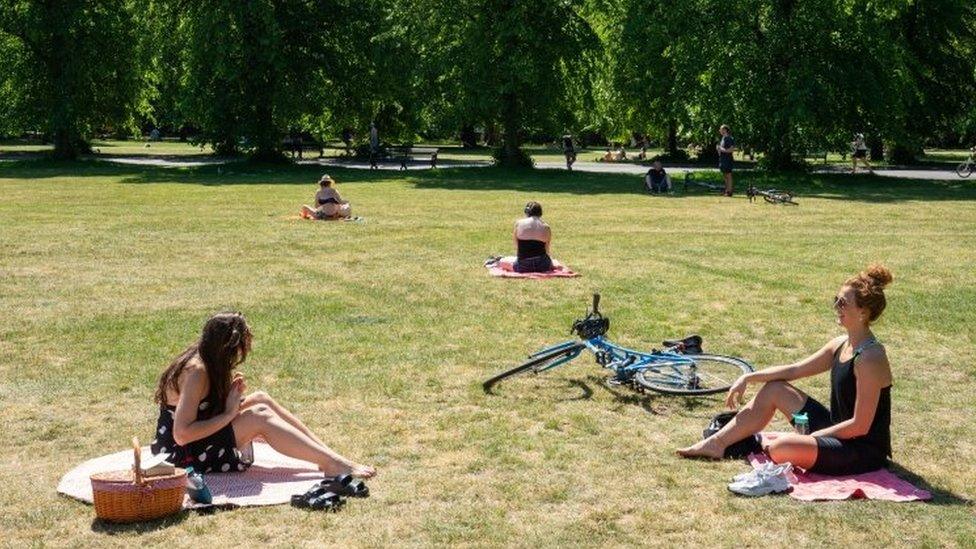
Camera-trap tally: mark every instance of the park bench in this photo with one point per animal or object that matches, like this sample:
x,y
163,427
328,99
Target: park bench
x,y
297,145
816,155
408,153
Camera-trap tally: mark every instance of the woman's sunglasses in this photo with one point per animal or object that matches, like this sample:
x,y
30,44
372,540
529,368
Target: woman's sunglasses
x,y
840,302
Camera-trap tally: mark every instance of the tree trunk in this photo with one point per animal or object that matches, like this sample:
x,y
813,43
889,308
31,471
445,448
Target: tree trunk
x,y
469,139
510,153
67,144
672,138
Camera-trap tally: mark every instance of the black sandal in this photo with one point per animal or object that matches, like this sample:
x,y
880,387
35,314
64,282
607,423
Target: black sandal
x,y
345,485
328,501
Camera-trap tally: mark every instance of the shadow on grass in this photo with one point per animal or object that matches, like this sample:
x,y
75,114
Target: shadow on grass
x,y
111,528
874,189
826,186
235,173
498,390
651,402
939,495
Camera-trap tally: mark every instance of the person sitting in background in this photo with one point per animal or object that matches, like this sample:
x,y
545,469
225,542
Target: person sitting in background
x,y
621,153
608,156
657,180
532,238
329,204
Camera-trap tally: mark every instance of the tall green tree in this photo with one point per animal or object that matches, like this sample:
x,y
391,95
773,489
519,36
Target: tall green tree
x,y
939,39
510,62
70,67
252,70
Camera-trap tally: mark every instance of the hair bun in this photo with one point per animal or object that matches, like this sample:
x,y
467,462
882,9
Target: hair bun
x,y
879,274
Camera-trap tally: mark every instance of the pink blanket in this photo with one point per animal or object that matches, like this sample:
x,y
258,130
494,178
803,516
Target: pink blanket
x,y
270,481
881,485
505,268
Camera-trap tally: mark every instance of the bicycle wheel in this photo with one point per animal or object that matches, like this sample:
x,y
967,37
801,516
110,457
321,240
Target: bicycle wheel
x,y
705,375
533,365
965,169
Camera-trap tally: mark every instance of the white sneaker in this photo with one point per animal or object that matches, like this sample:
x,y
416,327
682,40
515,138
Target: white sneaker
x,y
768,479
764,466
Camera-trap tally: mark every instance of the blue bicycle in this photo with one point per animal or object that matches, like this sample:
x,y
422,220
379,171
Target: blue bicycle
x,y
680,369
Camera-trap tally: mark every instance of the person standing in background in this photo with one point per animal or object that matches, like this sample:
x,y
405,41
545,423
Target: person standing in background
x,y
725,148
859,152
374,145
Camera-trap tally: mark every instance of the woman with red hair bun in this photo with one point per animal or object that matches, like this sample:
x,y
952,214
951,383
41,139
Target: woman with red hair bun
x,y
852,435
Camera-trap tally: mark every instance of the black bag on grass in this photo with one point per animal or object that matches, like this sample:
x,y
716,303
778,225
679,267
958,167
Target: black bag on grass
x,y
749,445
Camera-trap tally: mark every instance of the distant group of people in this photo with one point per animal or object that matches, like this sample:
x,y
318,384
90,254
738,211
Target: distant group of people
x,y
657,180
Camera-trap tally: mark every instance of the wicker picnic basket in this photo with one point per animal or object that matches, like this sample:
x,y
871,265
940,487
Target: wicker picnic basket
x,y
126,496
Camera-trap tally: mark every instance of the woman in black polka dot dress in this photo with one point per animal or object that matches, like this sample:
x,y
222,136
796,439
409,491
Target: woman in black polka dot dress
x,y
216,453
205,420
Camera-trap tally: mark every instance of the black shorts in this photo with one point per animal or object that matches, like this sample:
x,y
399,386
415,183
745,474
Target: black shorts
x,y
860,153
537,264
836,456
725,166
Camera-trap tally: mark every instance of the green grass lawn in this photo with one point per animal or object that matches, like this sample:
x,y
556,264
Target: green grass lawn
x,y
379,335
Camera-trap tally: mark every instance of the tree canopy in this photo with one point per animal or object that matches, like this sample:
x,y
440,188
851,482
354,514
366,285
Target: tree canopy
x,y
788,75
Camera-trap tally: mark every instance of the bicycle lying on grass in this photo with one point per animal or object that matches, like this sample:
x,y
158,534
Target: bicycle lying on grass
x,y
965,169
679,369
772,196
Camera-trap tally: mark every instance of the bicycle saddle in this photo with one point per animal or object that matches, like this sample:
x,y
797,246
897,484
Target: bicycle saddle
x,y
591,326
691,345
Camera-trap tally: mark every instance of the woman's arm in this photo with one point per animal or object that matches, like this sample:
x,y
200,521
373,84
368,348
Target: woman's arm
x,y
818,362
548,240
873,374
186,428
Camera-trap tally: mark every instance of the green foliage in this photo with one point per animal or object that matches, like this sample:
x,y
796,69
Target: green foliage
x,y
69,68
515,63
789,76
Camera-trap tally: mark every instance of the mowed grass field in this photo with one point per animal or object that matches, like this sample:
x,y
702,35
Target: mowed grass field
x,y
379,335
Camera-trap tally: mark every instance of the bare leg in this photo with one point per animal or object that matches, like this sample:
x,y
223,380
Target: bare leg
x,y
260,397
307,213
261,420
728,183
800,450
775,395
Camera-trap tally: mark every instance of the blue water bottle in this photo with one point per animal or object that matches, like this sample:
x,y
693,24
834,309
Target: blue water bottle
x,y
801,423
196,488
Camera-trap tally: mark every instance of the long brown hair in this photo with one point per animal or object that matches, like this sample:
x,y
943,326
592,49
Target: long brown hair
x,y
224,343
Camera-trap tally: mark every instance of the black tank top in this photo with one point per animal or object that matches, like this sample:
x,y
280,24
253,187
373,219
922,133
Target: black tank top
x,y
531,248
324,201
843,394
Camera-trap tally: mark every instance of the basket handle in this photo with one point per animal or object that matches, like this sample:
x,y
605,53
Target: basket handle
x,y
137,461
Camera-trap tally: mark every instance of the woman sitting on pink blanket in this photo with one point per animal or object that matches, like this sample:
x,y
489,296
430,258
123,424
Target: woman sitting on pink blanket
x,y
532,237
205,420
851,437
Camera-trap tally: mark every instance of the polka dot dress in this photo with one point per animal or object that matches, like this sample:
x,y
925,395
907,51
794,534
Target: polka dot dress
x,y
216,453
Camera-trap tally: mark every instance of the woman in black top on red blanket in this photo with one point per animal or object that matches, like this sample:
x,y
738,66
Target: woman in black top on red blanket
x,y
205,420
532,238
853,435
